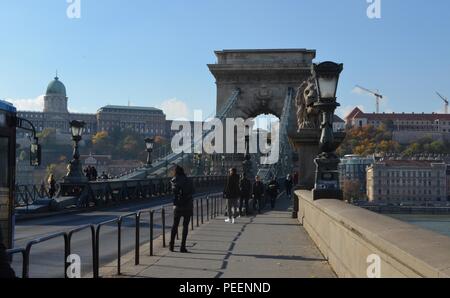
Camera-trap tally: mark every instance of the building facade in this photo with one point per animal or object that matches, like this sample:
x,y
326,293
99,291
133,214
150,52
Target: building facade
x,y
414,182
142,120
406,127
338,123
354,168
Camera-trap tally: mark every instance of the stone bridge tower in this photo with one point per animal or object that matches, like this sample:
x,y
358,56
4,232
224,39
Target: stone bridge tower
x,y
263,76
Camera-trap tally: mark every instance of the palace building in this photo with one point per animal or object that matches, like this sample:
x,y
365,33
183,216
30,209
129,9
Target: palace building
x,y
406,127
146,121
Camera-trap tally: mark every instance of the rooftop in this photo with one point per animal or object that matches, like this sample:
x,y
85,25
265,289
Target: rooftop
x,y
410,163
280,57
358,113
264,51
56,87
131,108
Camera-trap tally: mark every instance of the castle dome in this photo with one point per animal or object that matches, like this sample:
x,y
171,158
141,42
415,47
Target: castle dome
x,y
56,87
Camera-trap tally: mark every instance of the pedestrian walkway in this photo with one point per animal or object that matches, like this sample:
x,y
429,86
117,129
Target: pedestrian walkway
x,y
268,245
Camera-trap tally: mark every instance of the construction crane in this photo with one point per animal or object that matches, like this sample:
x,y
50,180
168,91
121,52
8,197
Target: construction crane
x,y
377,95
445,99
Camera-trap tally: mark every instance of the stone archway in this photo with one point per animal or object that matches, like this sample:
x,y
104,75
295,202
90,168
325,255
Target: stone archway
x,y
263,76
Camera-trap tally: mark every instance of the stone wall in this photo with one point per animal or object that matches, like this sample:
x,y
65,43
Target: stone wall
x,y
407,137
347,235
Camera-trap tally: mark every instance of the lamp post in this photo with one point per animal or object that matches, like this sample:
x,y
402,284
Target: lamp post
x,y
223,164
75,173
327,176
182,159
167,167
247,164
149,143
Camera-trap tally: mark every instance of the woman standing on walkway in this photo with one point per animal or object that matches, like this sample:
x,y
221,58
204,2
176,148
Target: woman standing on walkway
x,y
232,194
246,189
183,190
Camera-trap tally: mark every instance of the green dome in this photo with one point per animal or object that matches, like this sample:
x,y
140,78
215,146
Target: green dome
x,y
56,87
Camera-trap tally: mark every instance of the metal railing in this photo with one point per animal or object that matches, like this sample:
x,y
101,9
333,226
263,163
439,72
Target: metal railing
x,y
210,204
26,195
104,192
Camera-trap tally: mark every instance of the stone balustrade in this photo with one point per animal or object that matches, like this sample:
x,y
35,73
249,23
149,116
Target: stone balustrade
x,y
350,237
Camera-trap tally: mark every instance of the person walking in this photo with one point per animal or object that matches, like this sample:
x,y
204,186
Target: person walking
x,y
288,184
295,180
246,190
104,176
51,186
94,174
183,190
232,193
272,189
257,194
42,189
87,172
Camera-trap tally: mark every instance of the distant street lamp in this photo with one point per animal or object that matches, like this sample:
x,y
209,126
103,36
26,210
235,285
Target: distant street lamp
x,y
327,176
223,164
182,159
149,144
167,167
247,164
75,172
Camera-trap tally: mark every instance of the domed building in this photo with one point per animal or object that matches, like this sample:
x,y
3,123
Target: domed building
x,y
56,114
55,99
146,121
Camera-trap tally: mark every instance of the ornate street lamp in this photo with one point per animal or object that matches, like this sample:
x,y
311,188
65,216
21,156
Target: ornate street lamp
x,y
327,175
75,172
149,144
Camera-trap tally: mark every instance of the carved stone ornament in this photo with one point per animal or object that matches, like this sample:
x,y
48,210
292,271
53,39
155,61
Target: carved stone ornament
x,y
263,95
308,117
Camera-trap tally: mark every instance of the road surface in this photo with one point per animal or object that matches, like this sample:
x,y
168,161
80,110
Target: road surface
x,y
47,259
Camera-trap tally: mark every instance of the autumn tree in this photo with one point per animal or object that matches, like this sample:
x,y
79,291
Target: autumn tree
x,y
369,140
352,190
101,142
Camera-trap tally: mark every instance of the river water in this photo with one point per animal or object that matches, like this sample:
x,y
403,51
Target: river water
x,y
436,223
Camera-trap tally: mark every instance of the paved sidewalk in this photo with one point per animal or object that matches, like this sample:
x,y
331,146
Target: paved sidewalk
x,y
264,246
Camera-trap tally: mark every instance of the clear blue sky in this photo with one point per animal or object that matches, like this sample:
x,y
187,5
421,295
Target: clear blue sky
x,y
150,51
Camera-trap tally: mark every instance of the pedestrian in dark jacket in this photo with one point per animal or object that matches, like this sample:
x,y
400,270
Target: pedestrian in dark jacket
x,y
246,191
272,189
232,194
94,174
288,183
183,190
258,194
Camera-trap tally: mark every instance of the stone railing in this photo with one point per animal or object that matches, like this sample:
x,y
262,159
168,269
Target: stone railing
x,y
355,241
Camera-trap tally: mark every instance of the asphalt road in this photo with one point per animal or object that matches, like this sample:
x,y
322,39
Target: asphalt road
x,y
47,259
